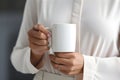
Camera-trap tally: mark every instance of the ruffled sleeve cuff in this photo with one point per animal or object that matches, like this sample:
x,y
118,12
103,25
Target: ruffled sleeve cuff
x,y
89,67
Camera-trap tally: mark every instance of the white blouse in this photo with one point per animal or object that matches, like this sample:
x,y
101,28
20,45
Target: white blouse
x,y
99,30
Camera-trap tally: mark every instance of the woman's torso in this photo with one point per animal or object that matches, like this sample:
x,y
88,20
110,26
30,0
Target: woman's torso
x,y
99,24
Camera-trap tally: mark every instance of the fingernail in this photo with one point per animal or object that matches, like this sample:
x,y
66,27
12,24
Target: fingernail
x,y
49,35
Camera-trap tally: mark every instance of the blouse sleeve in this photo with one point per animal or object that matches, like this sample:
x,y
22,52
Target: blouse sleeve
x,y
101,68
20,57
96,68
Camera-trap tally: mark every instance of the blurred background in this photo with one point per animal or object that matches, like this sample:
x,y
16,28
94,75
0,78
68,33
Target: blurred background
x,y
11,12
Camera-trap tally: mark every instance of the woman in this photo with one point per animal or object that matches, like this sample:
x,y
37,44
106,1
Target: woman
x,y
97,56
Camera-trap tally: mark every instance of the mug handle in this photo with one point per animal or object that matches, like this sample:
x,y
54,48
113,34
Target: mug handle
x,y
50,41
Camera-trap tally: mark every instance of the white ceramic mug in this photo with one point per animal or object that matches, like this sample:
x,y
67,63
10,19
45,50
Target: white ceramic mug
x,y
63,37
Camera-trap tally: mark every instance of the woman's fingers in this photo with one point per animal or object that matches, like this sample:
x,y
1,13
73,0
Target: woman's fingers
x,y
39,31
60,66
70,66
38,41
40,27
66,55
63,66
37,34
65,69
59,60
64,61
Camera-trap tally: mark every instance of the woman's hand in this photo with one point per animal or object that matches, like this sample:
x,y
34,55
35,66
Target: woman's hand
x,y
38,42
68,63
